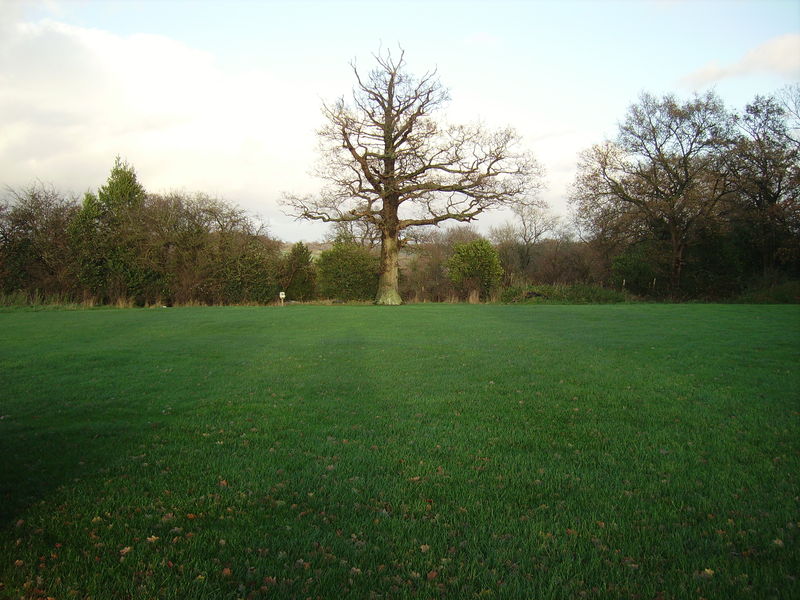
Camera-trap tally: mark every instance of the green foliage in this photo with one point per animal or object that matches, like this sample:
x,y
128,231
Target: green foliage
x,y
105,237
247,273
714,267
475,266
298,274
577,293
209,252
643,268
207,453
121,191
347,272
122,246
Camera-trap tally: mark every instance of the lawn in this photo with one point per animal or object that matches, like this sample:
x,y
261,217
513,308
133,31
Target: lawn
x,y
625,451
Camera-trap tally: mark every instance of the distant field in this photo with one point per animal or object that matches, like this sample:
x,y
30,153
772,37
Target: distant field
x,y
625,451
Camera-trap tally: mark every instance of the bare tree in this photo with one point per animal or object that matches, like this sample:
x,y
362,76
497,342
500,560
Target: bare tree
x,y
34,253
388,163
789,98
362,233
533,221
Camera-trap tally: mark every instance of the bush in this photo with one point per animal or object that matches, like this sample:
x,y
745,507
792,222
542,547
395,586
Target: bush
x,y
475,267
347,272
297,276
578,293
643,269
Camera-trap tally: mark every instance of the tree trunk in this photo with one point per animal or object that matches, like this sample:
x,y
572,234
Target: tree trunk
x,y
388,293
677,267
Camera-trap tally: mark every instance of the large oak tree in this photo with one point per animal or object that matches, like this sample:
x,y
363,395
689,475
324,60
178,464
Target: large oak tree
x,y
387,162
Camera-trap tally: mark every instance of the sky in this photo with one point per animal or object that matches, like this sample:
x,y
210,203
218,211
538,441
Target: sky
x,y
225,97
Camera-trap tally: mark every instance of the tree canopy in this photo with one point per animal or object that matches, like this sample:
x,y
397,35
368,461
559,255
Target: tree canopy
x,y
663,172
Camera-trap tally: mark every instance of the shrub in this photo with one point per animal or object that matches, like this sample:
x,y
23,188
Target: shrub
x,y
347,272
787,292
475,267
644,269
297,276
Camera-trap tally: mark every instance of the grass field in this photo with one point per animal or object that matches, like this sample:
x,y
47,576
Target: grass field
x,y
626,451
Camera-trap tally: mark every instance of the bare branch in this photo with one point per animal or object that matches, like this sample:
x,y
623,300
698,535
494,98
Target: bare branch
x,y
389,163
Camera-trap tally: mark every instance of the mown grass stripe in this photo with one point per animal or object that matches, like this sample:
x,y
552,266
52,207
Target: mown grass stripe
x,y
514,451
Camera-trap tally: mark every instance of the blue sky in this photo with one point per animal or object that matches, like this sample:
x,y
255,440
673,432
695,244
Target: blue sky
x,y
224,97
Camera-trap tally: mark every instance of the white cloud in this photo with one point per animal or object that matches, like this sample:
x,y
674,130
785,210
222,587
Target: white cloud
x,y
778,56
72,98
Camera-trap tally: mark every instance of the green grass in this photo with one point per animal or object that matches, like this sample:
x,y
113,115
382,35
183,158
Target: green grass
x,y
621,451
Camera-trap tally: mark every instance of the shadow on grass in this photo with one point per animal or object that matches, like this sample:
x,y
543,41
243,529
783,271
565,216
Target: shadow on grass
x,y
41,455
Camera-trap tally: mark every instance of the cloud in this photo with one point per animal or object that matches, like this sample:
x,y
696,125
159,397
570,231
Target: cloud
x,y
72,98
778,56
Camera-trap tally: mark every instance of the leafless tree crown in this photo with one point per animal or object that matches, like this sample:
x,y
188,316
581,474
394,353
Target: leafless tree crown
x,y
388,162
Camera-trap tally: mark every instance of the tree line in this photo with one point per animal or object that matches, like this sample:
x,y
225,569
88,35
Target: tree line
x,y
124,245
692,199
688,200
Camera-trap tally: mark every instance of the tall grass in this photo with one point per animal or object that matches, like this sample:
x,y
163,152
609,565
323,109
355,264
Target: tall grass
x,y
39,300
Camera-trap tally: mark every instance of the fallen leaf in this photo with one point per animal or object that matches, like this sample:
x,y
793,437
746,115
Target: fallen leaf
x,y
125,550
425,547
153,538
432,575
226,572
706,573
